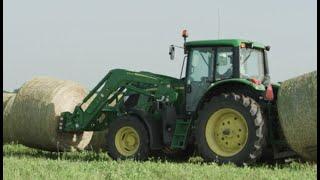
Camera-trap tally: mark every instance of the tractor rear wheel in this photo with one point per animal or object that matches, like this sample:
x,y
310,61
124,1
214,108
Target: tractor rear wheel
x,y
230,128
128,138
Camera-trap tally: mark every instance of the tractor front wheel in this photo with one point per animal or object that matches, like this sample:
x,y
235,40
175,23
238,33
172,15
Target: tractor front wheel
x,y
230,128
128,138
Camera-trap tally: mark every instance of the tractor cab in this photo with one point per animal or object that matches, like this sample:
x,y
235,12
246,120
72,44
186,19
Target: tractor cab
x,y
213,61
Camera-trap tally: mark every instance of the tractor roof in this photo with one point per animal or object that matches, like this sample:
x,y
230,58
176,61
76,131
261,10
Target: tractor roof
x,y
222,42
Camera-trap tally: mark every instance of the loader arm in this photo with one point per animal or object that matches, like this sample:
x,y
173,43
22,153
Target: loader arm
x,y
117,81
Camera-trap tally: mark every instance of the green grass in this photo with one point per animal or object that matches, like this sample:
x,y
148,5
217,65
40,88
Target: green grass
x,y
25,163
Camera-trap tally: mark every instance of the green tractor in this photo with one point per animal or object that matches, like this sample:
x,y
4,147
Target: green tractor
x,y
224,109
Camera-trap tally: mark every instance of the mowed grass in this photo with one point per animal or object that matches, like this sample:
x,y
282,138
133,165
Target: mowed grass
x,y
21,162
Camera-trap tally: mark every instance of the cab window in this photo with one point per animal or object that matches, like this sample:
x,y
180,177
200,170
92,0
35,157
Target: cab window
x,y
224,65
200,64
251,63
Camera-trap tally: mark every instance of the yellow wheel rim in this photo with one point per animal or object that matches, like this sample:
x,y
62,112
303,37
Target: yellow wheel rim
x,y
127,141
226,132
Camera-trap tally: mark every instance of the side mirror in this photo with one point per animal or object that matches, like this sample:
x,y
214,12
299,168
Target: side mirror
x,y
267,48
171,52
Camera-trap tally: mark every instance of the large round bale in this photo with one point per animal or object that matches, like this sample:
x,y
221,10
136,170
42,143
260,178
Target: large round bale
x,y
8,136
35,114
6,97
297,108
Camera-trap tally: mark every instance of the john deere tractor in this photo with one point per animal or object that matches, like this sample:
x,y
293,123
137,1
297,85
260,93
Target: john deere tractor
x,y
223,109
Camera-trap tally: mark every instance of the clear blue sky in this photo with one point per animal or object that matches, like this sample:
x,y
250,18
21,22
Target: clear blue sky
x,y
83,40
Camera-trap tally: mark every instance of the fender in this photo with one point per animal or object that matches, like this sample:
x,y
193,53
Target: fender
x,y
260,88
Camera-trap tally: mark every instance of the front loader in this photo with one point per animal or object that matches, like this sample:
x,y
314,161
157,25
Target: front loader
x,y
224,109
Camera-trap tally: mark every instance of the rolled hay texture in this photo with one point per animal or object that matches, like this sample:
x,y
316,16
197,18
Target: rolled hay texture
x,y
7,132
35,112
297,109
6,97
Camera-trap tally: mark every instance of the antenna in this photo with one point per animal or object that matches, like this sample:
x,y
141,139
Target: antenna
x,y
218,24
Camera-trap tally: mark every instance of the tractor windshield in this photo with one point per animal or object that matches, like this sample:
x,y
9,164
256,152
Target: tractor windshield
x,y
251,63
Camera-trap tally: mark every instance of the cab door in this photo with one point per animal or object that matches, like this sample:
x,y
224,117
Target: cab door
x,y
199,75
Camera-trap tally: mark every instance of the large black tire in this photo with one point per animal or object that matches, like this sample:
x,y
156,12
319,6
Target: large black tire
x,y
256,128
143,149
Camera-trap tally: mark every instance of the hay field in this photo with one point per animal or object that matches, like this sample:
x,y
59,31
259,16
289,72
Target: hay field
x,y
21,162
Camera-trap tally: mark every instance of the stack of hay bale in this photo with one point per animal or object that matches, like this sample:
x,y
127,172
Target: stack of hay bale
x,y
297,109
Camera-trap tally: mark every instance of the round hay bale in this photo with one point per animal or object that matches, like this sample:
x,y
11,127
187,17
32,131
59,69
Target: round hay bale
x,y
35,113
8,130
297,108
6,97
